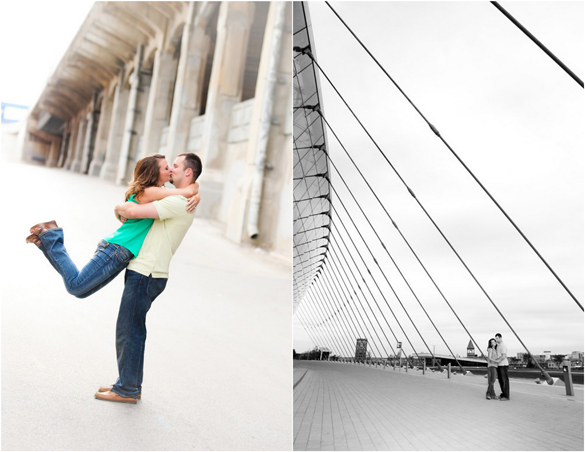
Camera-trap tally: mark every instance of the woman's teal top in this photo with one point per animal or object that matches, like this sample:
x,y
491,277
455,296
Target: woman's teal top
x,y
132,233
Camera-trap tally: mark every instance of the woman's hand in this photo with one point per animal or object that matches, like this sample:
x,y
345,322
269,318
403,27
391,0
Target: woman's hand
x,y
193,189
192,202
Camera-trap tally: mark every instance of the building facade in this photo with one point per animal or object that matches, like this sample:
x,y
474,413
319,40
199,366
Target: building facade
x,y
212,78
361,349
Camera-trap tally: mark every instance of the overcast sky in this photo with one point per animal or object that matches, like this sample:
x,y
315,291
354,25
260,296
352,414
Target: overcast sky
x,y
35,36
511,114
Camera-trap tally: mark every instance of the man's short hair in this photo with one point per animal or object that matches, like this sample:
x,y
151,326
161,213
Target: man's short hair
x,y
194,162
498,335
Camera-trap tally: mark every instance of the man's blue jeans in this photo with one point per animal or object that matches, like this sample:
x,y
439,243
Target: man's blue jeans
x,y
504,381
139,293
107,262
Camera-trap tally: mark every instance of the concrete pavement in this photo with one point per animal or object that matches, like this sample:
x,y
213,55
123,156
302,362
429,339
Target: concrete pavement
x,y
218,367
352,407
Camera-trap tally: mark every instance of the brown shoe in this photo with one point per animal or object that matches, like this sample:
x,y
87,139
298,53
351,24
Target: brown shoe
x,y
38,229
34,239
108,388
113,397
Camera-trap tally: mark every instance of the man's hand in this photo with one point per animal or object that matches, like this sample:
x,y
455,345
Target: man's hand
x,y
120,218
193,201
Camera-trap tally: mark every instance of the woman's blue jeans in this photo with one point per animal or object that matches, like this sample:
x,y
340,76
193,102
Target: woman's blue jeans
x,y
492,376
139,293
107,262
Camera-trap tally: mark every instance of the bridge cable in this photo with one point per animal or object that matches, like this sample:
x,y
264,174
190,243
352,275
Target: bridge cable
x,y
327,279
436,132
377,286
383,274
373,328
353,318
358,330
334,253
320,297
307,327
538,43
447,241
333,339
322,294
397,228
391,258
547,376
319,336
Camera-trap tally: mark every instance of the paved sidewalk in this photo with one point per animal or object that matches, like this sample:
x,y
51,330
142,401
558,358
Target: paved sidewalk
x,y
218,355
352,407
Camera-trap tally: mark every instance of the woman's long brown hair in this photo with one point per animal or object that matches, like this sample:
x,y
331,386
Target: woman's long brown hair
x,y
146,174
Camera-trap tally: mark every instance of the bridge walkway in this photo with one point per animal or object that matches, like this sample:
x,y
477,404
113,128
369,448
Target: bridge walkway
x,y
354,407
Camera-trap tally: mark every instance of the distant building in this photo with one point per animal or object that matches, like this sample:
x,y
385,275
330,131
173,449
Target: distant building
x,y
12,113
471,350
541,359
361,349
576,356
317,354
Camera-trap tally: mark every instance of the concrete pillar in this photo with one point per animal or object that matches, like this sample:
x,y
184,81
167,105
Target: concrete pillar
x,y
261,123
129,121
157,109
101,140
110,166
74,130
64,145
271,96
142,96
186,100
53,156
225,85
89,141
74,163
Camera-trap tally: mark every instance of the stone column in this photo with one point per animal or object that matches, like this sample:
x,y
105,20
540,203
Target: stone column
x,y
247,201
88,144
110,167
190,73
135,148
157,116
74,163
261,121
73,131
101,140
54,151
64,146
129,121
225,85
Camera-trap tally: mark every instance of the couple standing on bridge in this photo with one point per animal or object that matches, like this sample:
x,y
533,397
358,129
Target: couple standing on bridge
x,y
497,365
154,222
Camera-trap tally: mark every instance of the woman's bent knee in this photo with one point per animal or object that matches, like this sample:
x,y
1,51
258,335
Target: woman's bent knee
x,y
77,293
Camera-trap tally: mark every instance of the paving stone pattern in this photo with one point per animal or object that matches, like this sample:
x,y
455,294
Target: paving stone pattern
x,y
351,407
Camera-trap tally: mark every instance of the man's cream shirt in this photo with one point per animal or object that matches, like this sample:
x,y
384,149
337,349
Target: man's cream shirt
x,y
164,237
